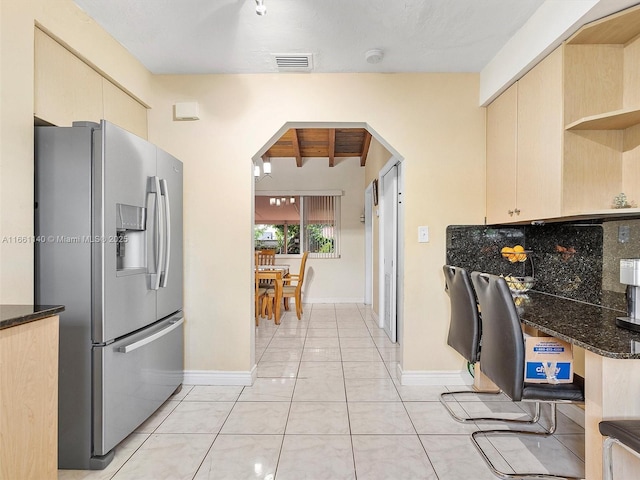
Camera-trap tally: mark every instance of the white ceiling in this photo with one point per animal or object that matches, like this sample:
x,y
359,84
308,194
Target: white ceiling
x,y
501,39
226,36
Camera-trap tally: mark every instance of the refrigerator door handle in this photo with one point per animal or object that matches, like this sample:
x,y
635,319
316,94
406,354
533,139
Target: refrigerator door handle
x,y
167,227
159,236
145,341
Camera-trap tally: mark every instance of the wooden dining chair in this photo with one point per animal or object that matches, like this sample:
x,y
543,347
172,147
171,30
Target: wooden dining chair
x,y
266,257
261,292
289,290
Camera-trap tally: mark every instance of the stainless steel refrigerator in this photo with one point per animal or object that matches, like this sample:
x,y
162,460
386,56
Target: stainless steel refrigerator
x,y
108,223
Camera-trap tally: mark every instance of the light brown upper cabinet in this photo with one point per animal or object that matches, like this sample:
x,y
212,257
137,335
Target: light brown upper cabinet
x,y
524,146
66,89
577,129
502,118
540,140
123,110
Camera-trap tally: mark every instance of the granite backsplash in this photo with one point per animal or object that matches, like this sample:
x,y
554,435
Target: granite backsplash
x,y
572,260
477,248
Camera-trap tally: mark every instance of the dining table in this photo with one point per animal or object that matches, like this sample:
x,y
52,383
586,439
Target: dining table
x,y
275,274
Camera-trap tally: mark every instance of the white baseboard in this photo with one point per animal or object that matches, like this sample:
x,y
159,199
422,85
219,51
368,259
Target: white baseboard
x,y
334,300
216,377
428,377
574,412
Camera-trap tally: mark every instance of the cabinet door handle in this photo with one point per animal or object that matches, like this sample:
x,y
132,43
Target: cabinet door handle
x,y
517,211
510,212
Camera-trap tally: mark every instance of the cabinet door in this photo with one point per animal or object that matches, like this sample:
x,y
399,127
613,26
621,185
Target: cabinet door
x,y
123,110
540,130
502,117
66,89
29,399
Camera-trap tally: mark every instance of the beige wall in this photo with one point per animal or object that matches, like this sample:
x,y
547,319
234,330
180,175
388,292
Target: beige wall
x,y
432,120
377,158
328,280
81,34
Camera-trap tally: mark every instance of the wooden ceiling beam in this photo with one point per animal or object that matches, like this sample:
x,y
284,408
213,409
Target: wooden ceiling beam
x,y
332,146
365,148
296,147
327,143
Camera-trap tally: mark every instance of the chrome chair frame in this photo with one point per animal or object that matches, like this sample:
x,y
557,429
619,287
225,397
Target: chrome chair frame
x,y
534,419
607,455
546,433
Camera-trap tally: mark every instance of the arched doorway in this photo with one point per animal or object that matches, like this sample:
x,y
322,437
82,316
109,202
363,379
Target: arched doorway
x,y
305,176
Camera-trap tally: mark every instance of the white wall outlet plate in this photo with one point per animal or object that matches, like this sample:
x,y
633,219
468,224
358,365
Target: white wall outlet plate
x,y
423,234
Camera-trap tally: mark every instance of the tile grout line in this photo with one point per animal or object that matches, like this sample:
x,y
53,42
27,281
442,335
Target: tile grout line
x,y
218,433
435,472
286,423
148,437
346,401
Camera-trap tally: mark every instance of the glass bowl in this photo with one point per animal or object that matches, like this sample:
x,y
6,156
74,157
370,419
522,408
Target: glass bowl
x,y
519,285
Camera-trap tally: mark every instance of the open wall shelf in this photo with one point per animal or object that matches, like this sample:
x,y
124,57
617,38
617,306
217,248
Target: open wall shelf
x,y
617,120
602,114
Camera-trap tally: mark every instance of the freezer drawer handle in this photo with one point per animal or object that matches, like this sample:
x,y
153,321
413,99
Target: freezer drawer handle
x,y
141,343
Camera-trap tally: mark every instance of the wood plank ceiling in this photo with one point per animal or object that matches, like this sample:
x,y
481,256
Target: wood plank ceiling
x,y
330,143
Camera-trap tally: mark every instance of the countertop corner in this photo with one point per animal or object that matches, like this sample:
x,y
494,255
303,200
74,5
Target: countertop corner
x,y
14,315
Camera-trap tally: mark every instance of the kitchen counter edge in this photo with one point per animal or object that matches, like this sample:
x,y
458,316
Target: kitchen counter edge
x,y
585,325
14,315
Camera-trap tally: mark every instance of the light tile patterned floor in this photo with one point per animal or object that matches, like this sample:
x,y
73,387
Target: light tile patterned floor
x,y
327,406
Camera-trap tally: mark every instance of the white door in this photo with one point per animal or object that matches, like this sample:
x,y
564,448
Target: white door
x,y
368,245
389,227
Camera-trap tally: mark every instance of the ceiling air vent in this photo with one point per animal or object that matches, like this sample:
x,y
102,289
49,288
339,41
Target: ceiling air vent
x,y
294,62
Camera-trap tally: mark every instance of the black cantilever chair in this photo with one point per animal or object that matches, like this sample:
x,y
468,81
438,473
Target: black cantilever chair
x,y
503,359
464,337
626,434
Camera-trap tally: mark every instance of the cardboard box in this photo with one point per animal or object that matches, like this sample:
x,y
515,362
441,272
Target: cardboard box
x,y
548,360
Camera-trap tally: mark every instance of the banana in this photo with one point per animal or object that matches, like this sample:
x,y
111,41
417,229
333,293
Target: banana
x,y
515,284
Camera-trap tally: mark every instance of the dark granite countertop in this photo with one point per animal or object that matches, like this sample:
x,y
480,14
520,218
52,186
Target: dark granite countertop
x,y
14,315
592,327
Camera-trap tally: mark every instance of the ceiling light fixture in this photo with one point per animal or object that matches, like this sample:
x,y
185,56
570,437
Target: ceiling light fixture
x,y
266,170
281,202
261,9
374,56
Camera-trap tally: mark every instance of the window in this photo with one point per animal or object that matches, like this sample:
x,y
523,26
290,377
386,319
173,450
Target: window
x,y
278,223
320,225
286,222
